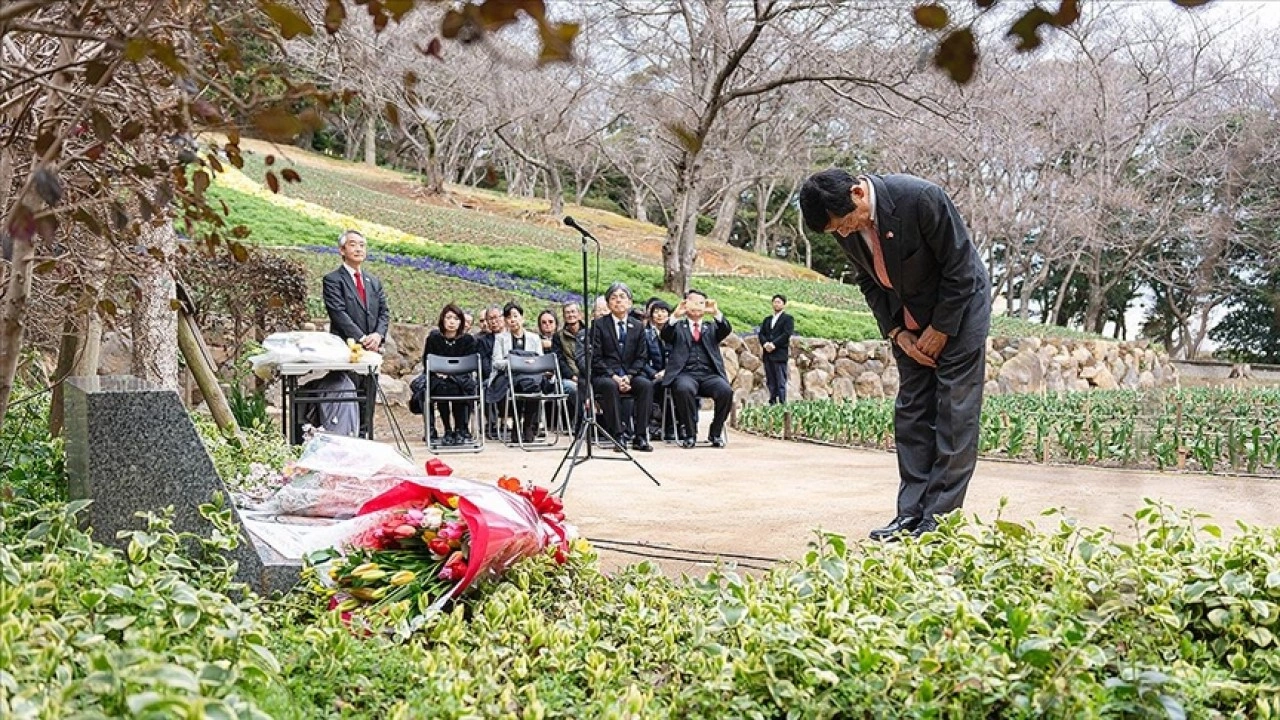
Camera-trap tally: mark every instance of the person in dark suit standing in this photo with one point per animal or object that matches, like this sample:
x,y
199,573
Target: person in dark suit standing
x,y
930,295
775,340
357,309
695,367
354,299
618,358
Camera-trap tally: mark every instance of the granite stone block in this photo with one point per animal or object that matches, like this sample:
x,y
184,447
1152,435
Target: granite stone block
x,y
131,447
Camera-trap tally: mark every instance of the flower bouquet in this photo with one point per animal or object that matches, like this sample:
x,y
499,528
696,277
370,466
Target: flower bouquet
x,y
335,476
425,541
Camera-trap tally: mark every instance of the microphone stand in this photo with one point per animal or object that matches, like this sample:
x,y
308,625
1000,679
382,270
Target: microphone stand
x,y
581,449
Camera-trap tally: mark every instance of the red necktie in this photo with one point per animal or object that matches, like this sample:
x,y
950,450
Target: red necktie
x,y
360,289
697,331
882,273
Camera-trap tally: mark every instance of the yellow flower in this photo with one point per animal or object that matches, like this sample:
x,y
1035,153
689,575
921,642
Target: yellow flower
x,y
404,577
361,569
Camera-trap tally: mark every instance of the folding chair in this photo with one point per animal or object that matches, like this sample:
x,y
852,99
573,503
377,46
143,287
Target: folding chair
x,y
465,365
669,416
539,367
626,408
669,411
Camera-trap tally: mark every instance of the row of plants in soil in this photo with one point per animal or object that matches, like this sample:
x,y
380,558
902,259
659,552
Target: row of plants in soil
x,y
984,620
1205,429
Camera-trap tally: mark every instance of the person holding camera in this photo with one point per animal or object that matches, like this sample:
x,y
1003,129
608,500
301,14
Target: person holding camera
x,y
695,367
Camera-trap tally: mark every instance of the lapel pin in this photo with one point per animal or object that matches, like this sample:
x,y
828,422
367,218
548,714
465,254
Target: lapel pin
x,y
890,236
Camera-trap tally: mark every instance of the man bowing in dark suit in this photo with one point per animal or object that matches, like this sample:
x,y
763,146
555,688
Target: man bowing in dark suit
x,y
618,357
930,294
354,299
775,340
695,367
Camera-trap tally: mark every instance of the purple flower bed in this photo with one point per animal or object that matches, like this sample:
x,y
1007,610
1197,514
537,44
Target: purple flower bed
x,y
491,278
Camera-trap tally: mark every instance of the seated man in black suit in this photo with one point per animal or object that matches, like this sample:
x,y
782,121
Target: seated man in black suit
x,y
618,358
695,367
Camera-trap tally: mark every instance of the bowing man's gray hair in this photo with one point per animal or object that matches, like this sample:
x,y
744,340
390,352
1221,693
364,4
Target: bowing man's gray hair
x,y
617,287
342,238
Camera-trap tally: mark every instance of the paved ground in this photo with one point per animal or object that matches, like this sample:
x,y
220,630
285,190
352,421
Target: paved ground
x,y
763,497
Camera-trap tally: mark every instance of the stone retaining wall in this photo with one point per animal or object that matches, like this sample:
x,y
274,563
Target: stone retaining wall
x,y
847,370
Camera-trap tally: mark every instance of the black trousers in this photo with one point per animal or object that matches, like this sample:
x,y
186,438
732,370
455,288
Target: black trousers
x,y
775,376
610,415
936,416
688,387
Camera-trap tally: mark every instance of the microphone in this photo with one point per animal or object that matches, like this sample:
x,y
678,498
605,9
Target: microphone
x,y
568,220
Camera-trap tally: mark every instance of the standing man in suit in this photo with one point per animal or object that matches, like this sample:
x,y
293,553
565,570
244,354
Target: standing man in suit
x,y
354,299
775,340
357,310
618,358
930,294
695,367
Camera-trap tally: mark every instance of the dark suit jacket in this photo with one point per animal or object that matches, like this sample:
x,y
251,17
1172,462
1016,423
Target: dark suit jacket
x,y
348,317
679,336
606,361
932,264
780,336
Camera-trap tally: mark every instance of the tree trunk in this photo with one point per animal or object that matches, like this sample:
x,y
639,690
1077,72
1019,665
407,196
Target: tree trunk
x,y
761,244
1095,309
66,363
804,237
155,323
555,192
1062,290
371,140
725,216
639,203
680,247
13,305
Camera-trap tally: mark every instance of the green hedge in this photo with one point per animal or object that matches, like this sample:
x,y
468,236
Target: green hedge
x,y
980,620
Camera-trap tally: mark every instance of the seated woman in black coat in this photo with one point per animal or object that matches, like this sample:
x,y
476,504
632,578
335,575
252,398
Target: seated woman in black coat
x,y
449,340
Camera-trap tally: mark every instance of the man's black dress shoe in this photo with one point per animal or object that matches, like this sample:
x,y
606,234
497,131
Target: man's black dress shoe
x,y
641,445
687,443
926,525
717,441
900,524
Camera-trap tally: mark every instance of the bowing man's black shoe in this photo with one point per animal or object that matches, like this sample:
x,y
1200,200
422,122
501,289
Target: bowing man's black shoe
x,y
687,443
927,525
899,525
642,445
717,441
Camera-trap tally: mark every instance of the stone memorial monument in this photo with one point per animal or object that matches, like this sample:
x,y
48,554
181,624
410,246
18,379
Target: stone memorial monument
x,y
131,447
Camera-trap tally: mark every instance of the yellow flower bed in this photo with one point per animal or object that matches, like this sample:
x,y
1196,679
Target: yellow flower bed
x,y
233,179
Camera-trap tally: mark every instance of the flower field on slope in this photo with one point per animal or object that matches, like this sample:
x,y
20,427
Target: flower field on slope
x,y
821,309
416,294
281,221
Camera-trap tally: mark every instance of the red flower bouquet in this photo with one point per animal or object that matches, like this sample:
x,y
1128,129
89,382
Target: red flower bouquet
x,y
428,539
